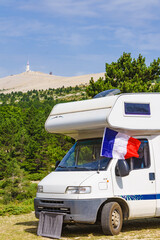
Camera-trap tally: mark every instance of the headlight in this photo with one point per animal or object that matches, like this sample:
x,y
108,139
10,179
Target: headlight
x,y
40,189
78,190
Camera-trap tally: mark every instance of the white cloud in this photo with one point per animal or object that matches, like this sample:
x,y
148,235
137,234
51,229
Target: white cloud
x,y
109,15
19,27
125,36
42,32
150,41
62,7
142,40
115,10
75,39
6,2
130,6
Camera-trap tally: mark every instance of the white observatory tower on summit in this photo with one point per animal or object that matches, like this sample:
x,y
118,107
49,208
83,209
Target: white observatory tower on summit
x,y
27,67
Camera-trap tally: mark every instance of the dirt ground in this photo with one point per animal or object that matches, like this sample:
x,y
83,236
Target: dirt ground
x,y
23,227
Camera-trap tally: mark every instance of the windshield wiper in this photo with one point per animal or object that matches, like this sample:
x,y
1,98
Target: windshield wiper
x,y
75,167
62,166
82,168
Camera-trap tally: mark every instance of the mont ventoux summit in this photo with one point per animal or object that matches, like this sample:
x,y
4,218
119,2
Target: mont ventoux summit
x,y
30,80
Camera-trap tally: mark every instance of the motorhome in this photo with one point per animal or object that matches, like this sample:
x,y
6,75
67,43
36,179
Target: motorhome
x,y
89,188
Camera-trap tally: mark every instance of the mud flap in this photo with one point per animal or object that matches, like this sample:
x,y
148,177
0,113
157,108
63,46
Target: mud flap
x,y
50,224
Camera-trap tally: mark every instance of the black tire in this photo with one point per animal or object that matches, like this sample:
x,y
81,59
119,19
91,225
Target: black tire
x,y
111,218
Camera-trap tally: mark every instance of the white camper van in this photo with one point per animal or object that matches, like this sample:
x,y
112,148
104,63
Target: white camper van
x,y
89,188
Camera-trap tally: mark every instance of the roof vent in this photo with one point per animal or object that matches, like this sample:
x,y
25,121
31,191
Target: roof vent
x,y
107,93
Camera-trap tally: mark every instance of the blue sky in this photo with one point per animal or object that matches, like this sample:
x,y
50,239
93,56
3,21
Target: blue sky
x,y
74,37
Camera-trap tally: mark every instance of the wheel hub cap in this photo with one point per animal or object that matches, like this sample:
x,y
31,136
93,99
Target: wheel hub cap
x,y
115,219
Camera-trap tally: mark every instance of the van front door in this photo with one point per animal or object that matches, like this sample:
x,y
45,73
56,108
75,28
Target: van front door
x,y
138,188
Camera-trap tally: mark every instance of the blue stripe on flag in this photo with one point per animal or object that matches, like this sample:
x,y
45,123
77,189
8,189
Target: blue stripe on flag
x,y
108,142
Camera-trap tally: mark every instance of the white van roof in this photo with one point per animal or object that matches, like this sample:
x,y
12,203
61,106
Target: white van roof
x,y
133,113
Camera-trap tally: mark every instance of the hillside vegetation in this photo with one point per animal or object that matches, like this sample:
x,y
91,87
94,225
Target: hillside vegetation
x,y
27,151
22,134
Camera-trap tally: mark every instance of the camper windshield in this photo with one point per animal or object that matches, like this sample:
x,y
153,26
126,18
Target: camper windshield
x,y
84,156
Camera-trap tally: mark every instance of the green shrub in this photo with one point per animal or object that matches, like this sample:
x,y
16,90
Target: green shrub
x,y
16,186
36,176
1,192
19,191
2,183
15,208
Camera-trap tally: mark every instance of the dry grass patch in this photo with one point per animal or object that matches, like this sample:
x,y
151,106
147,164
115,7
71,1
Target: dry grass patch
x,y
23,227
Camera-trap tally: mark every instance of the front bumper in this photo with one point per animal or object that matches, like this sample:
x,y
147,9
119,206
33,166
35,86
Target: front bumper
x,y
76,210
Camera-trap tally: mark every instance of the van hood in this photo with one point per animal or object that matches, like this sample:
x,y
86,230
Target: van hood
x,y
57,182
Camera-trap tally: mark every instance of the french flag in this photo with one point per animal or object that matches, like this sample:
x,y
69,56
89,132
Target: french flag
x,y
119,145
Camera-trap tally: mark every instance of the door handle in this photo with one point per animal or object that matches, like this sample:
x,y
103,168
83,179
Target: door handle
x,y
151,176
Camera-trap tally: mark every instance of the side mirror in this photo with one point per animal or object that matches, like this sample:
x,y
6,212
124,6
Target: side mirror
x,y
122,168
57,163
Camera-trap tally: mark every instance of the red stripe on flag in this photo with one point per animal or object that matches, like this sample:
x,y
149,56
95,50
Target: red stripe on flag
x,y
132,148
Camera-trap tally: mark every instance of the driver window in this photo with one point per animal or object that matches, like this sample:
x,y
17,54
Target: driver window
x,y
84,154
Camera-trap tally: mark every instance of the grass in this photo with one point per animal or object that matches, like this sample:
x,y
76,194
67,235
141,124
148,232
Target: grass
x,y
25,227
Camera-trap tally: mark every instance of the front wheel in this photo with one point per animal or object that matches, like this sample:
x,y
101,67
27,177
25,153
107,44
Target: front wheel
x,y
111,218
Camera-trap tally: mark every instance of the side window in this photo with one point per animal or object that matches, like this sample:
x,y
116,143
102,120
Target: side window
x,y
144,157
137,108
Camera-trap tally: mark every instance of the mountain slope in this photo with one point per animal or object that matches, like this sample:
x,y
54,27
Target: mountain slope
x,y
31,80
